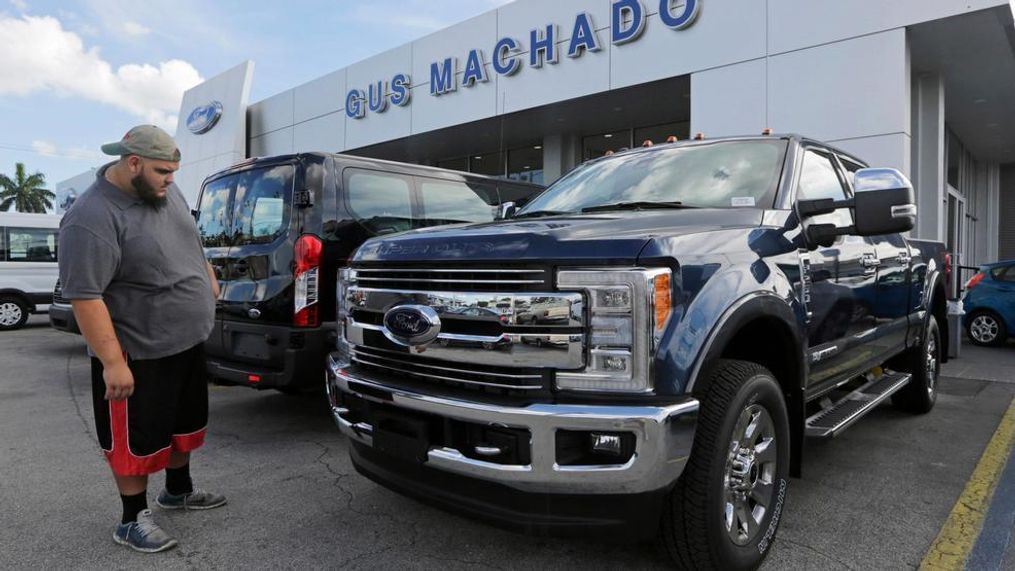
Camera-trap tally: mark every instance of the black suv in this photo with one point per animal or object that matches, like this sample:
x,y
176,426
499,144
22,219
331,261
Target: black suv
x,y
277,230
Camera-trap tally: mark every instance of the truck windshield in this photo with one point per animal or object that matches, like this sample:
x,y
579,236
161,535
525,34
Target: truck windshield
x,y
711,175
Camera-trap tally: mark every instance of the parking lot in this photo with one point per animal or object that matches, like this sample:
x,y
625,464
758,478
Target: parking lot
x,y
875,497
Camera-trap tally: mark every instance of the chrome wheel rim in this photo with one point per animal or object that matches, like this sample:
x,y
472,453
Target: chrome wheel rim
x,y
984,329
10,313
932,362
749,481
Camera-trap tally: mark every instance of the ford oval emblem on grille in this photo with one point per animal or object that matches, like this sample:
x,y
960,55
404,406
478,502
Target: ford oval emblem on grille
x,y
411,324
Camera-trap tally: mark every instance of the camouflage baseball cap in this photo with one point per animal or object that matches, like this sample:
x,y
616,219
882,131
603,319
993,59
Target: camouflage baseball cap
x,y
147,141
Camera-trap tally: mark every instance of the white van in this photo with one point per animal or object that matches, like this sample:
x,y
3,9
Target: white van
x,y
28,269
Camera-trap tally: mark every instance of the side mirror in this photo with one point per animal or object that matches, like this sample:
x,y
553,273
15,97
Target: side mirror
x,y
506,210
883,202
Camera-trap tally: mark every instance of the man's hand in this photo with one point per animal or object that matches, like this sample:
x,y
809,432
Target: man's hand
x,y
119,381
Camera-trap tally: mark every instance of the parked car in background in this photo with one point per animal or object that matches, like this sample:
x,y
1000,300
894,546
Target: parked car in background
x,y
989,304
28,267
277,229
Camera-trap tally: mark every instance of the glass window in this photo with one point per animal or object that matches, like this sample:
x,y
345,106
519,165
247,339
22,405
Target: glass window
x,y
851,168
720,174
520,194
595,146
459,164
526,164
212,220
31,245
261,203
490,164
381,202
659,133
818,179
448,202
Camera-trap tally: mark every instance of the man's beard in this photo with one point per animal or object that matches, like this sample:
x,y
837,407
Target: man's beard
x,y
147,193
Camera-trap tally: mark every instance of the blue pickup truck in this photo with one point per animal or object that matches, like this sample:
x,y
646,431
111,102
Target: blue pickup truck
x,y
661,331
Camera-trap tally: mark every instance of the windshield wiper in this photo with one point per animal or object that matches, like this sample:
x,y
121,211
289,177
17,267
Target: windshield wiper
x,y
636,205
538,213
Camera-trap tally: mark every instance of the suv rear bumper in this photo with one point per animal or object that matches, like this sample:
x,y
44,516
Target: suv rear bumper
x,y
663,436
299,363
62,317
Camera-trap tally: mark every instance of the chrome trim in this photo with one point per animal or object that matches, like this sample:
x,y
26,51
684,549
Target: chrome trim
x,y
358,359
663,439
447,271
436,281
413,364
530,309
486,450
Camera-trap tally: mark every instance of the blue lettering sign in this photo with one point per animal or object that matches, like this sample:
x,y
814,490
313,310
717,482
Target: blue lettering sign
x,y
377,96
622,31
400,89
505,57
444,76
354,108
583,37
542,46
475,69
678,21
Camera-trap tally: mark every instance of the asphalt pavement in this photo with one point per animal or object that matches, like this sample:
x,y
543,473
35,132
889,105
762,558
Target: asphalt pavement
x,y
873,498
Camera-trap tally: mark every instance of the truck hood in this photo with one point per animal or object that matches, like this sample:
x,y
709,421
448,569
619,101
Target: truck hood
x,y
608,238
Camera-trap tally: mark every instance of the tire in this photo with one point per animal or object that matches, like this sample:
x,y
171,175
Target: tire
x,y
986,329
701,526
13,312
924,364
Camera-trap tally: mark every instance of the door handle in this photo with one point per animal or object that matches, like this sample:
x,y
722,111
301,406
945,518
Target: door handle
x,y
870,262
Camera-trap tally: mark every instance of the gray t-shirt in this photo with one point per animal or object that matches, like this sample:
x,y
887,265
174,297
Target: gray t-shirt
x,y
146,263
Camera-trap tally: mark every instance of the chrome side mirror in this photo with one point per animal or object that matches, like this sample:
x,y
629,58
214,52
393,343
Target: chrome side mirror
x,y
883,202
506,210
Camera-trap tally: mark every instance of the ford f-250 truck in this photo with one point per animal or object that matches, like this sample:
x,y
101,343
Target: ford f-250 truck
x,y
714,304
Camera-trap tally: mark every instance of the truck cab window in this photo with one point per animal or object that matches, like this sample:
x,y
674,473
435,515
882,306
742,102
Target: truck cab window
x,y
818,179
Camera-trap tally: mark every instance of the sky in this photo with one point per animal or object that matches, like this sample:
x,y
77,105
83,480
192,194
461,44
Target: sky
x,y
79,73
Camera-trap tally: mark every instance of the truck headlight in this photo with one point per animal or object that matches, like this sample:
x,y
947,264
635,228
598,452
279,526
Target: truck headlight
x,y
629,310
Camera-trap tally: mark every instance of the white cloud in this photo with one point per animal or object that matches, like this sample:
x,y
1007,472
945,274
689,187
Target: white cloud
x,y
20,5
135,29
38,55
47,149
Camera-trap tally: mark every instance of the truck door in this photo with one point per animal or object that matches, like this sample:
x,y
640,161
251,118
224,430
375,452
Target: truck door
x,y
892,256
213,227
841,281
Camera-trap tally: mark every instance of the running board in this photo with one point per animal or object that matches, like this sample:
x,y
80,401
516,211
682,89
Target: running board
x,y
836,418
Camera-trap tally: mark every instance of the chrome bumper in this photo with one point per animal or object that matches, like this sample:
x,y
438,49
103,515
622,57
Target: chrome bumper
x,y
664,435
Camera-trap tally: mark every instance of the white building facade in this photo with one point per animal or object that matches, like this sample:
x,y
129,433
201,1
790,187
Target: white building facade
x,y
533,88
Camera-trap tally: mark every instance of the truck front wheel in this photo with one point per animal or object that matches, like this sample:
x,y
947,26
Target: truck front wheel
x,y
923,362
725,509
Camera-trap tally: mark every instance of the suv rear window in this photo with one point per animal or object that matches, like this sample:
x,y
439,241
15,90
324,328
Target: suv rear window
x,y
249,207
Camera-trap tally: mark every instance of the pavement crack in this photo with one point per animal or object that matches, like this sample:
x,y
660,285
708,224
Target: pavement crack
x,y
77,405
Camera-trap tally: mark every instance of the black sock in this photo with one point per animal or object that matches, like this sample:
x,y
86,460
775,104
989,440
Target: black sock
x,y
132,505
178,480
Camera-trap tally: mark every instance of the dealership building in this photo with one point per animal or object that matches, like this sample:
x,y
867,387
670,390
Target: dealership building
x,y
532,89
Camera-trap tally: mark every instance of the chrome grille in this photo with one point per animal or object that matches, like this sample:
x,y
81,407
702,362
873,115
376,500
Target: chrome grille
x,y
460,279
476,376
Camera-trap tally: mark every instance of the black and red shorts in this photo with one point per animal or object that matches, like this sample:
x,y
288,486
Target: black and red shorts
x,y
167,412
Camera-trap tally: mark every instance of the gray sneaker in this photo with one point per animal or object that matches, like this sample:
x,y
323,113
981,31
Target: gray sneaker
x,y
196,500
143,535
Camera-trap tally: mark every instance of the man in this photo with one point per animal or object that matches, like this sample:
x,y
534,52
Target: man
x,y
144,297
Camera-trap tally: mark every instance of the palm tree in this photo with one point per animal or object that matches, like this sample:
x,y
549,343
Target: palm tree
x,y
25,192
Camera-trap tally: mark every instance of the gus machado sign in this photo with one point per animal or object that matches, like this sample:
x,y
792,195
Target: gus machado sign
x,y
627,22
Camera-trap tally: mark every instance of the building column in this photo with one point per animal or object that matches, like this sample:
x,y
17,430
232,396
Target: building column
x,y
561,153
929,159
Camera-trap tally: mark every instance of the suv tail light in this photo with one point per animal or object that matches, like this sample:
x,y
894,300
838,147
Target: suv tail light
x,y
975,280
308,263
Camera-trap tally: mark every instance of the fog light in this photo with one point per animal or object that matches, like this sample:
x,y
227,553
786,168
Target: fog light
x,y
606,443
614,363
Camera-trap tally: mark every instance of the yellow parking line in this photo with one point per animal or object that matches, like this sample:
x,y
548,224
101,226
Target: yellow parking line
x,y
957,537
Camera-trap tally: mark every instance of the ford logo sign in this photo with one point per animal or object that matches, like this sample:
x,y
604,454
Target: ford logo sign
x,y
203,118
411,325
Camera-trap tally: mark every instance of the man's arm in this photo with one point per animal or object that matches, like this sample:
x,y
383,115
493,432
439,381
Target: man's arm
x,y
215,291
96,326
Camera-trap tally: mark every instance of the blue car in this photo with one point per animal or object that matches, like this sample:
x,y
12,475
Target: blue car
x,y
989,304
